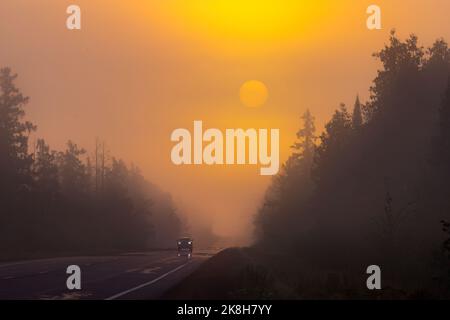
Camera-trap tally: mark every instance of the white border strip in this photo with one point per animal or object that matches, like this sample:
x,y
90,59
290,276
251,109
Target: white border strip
x,y
145,284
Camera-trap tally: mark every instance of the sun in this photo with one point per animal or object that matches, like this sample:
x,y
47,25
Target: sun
x,y
253,93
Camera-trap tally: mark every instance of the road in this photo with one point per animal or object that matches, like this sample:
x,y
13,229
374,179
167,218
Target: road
x,y
128,276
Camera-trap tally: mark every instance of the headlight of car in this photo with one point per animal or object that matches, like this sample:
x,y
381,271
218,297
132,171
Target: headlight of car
x,y
179,242
190,242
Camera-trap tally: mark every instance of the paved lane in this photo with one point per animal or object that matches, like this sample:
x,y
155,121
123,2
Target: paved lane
x,y
128,276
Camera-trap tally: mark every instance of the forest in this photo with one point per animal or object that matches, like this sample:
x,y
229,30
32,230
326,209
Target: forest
x,y
371,189
374,187
72,202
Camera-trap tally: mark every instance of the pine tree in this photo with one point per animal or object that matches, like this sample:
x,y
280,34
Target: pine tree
x,y
45,168
73,175
305,145
14,158
357,119
333,142
337,129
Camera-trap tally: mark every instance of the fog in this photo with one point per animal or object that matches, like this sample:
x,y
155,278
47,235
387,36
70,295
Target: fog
x,y
137,71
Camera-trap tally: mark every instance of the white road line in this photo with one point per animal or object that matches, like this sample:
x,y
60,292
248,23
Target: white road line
x,y
145,284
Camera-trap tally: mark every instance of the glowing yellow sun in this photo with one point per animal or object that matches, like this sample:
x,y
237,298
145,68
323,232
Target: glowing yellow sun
x,y
253,94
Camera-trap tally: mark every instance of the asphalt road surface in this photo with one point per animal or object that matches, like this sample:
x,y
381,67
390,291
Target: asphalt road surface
x,y
127,276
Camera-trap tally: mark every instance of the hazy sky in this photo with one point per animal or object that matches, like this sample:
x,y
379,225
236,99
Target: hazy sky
x,y
139,69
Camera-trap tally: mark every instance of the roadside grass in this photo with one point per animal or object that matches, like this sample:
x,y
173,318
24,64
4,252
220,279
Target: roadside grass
x,y
252,274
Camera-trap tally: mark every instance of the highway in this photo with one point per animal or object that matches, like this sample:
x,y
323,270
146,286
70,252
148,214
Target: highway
x,y
127,276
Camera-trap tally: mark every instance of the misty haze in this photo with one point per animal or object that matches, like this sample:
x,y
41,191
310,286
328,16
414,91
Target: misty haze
x,y
226,150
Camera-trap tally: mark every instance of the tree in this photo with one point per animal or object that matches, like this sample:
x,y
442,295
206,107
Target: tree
x,y
400,120
282,212
357,119
116,178
73,175
14,158
401,63
48,200
45,168
439,54
333,142
304,147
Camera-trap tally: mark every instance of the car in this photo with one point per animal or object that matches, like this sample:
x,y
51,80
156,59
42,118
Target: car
x,y
185,245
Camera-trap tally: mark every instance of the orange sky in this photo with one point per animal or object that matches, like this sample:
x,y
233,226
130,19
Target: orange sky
x,y
138,69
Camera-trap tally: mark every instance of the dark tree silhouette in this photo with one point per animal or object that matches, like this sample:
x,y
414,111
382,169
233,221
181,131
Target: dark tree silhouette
x,y
303,149
282,206
14,158
357,119
392,136
58,203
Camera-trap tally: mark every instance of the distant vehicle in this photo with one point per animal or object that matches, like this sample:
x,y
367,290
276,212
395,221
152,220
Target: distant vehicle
x,y
185,246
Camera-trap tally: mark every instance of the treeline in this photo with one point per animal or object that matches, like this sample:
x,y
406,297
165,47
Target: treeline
x,y
62,202
374,187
